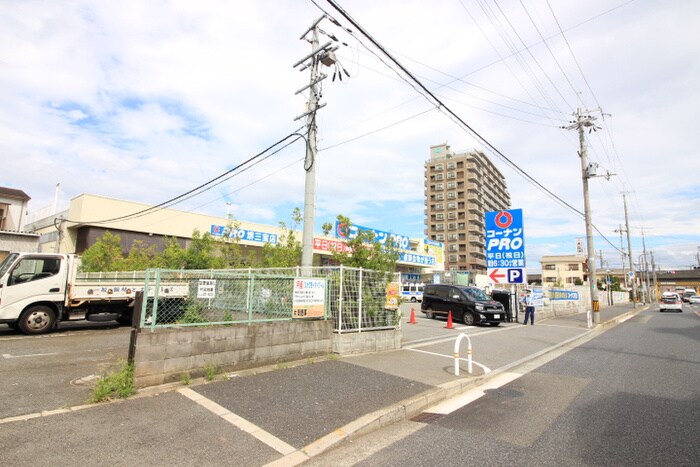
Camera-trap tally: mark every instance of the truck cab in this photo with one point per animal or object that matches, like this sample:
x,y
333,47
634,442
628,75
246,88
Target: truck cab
x,y
33,290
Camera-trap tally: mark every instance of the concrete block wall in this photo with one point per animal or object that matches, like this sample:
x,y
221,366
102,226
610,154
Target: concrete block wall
x,y
164,355
364,342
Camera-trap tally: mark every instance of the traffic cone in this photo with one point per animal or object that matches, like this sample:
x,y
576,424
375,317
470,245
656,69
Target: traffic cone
x,y
449,320
412,320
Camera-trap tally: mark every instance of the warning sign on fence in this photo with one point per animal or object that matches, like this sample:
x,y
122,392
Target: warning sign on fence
x,y
206,288
309,299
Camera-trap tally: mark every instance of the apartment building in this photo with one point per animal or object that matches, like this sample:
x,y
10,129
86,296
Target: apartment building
x,y
563,270
459,189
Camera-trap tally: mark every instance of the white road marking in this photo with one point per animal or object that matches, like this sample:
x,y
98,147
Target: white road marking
x,y
470,396
8,356
239,422
486,369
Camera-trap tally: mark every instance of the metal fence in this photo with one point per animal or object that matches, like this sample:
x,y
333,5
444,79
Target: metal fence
x,y
354,298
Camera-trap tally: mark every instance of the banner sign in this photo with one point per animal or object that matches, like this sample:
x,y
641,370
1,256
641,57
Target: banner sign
x,y
570,295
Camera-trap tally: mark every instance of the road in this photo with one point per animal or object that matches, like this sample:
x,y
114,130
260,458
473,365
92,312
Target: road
x,y
56,370
629,396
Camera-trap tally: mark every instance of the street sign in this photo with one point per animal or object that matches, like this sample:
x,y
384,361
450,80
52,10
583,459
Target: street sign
x,y
505,247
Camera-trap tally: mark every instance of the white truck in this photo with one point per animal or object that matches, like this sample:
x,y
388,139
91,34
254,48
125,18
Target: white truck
x,y
37,291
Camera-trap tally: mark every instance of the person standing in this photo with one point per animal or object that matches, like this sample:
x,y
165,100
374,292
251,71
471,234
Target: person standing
x,y
529,302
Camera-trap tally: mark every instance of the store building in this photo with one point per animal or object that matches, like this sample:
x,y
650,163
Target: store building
x,y
90,216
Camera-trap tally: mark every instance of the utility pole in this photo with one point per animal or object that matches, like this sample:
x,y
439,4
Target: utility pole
x,y
622,254
629,252
653,274
646,269
582,122
323,54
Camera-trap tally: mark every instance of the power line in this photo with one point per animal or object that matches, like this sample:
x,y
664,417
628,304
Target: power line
x,y
199,189
417,84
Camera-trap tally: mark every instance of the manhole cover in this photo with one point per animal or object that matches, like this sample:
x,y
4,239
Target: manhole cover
x,y
427,417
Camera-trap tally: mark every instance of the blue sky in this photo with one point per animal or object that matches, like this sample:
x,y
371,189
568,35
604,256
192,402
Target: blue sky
x,y
145,100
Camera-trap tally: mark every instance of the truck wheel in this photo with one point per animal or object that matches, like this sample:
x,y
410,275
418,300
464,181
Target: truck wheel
x,y
468,318
37,320
429,314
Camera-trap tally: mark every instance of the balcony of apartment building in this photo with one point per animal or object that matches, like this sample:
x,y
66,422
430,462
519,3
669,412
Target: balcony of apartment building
x,y
477,219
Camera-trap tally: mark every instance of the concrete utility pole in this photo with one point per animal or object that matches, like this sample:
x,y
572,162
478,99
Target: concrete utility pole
x,y
622,255
582,122
323,54
646,269
629,252
653,274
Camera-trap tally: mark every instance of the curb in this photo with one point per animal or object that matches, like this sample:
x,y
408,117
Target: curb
x,y
413,406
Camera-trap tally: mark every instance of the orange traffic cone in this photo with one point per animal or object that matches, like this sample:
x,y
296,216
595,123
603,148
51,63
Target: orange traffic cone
x,y
449,320
412,320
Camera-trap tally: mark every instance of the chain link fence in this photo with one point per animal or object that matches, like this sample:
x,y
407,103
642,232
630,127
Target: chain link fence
x,y
354,298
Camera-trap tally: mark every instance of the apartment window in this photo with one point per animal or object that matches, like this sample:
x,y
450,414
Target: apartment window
x,y
438,166
452,215
438,177
451,195
439,217
572,267
549,267
440,237
440,196
440,227
451,185
453,236
452,205
454,247
439,186
452,258
452,226
450,166
451,175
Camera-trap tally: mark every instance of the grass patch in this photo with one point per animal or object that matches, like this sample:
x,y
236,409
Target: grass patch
x,y
119,383
210,372
185,378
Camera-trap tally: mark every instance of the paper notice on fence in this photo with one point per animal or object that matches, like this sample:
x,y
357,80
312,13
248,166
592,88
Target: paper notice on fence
x,y
309,300
206,288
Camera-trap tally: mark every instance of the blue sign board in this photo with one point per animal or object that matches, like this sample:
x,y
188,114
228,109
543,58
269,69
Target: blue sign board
x,y
243,234
505,246
399,241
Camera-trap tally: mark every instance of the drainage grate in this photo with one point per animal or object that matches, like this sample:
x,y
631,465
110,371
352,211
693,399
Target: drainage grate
x,y
427,417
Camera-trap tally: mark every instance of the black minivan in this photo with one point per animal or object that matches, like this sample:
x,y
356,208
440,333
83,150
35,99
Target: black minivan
x,y
469,305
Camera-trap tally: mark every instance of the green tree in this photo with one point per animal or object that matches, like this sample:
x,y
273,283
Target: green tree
x,y
200,253
172,256
365,251
287,251
104,255
139,258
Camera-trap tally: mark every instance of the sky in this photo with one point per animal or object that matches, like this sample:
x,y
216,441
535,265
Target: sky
x,y
144,101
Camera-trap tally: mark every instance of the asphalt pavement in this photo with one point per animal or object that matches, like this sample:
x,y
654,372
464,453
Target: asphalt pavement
x,y
286,414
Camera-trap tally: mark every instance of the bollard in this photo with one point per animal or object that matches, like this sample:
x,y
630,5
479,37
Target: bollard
x,y
469,353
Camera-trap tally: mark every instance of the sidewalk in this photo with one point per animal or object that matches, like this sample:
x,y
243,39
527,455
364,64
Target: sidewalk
x,y
285,415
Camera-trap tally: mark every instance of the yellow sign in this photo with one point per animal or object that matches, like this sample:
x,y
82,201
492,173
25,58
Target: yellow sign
x,y
392,295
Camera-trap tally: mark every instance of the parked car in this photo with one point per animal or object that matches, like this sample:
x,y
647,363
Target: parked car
x,y
694,299
670,301
469,305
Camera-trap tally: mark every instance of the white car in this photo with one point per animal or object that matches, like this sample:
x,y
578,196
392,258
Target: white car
x,y
670,301
694,299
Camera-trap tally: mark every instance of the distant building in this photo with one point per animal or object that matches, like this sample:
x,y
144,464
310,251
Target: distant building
x,y
563,270
459,189
13,208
